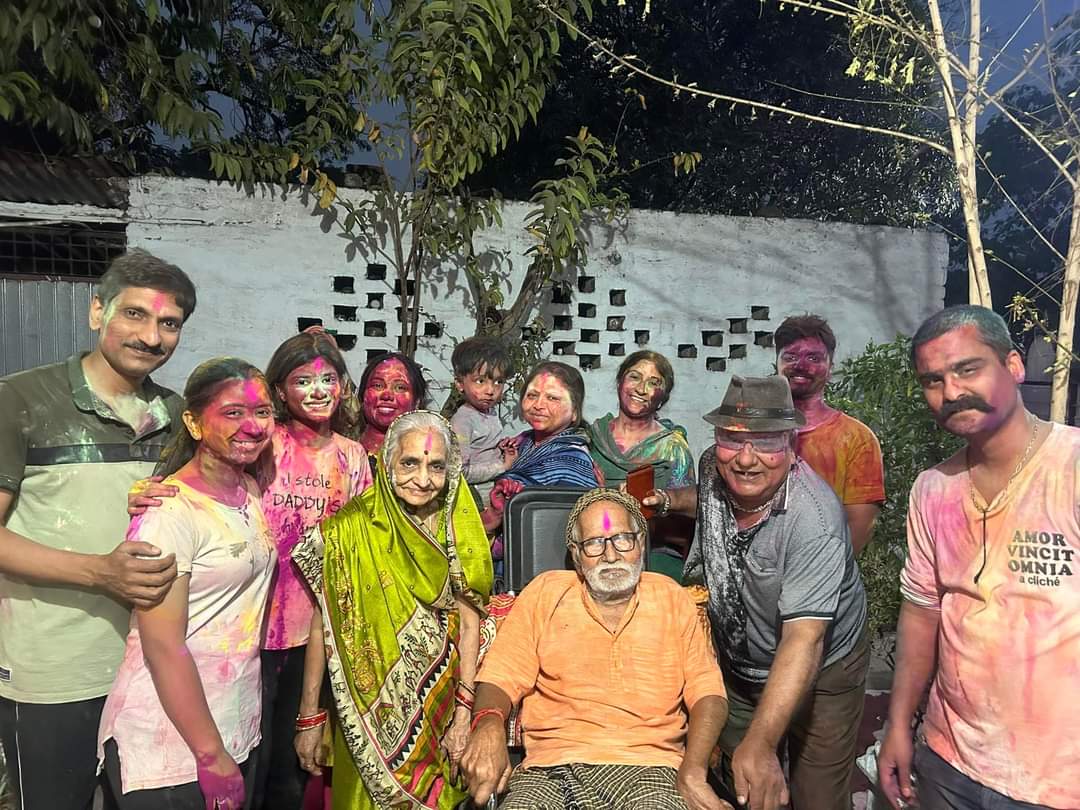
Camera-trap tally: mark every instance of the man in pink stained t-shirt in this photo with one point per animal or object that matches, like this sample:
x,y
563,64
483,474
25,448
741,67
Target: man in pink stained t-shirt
x,y
991,612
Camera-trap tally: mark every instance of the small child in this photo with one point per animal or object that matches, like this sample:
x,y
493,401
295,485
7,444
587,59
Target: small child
x,y
481,366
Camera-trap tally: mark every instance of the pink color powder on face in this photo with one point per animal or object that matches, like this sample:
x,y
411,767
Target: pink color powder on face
x,y
388,373
159,302
427,441
607,522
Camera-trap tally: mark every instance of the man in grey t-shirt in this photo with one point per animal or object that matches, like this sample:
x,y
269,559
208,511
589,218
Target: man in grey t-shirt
x,y
786,603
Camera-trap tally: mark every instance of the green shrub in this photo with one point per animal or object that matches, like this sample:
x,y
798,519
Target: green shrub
x,y
879,388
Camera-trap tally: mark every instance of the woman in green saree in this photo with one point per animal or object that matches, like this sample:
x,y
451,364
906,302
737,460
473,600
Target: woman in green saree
x,y
402,572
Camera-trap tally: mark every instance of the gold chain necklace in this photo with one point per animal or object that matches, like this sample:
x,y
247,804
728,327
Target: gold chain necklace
x,y
985,510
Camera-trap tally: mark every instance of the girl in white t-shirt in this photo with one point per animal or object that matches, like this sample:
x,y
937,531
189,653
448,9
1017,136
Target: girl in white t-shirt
x,y
183,715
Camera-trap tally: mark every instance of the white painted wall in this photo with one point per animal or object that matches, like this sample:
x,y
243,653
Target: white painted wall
x,y
262,261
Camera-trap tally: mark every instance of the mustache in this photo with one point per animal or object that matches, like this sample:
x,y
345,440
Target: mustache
x,y
138,345
624,567
971,402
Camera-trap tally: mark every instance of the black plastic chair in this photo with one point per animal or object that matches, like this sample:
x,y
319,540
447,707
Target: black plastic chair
x,y
534,533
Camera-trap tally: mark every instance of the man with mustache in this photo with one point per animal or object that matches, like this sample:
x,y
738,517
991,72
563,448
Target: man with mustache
x,y
621,698
991,613
74,437
786,604
838,447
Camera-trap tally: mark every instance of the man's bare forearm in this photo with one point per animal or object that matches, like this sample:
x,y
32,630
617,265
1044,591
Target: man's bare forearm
x,y
706,721
22,558
797,661
916,660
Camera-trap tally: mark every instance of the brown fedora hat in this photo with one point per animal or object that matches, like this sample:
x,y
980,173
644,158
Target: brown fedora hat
x,y
757,404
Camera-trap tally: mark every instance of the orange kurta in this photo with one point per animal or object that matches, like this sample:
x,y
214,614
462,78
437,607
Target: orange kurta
x,y
846,453
592,696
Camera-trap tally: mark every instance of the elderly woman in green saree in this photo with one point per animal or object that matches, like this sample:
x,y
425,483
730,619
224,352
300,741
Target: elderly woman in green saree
x,y
403,573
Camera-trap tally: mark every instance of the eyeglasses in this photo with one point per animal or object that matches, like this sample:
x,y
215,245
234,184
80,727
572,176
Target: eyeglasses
x,y
768,443
651,384
595,546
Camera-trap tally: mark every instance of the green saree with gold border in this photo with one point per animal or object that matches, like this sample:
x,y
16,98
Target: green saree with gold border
x,y
387,589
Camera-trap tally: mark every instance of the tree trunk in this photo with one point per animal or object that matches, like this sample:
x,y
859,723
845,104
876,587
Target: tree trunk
x,y
962,135
1063,357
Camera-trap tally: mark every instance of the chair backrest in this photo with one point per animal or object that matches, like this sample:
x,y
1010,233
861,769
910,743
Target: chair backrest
x,y
534,533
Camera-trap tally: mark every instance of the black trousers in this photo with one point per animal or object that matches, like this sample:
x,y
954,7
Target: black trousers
x,y
280,781
175,797
51,753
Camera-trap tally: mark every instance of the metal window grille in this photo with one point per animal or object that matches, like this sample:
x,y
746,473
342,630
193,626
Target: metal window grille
x,y
67,250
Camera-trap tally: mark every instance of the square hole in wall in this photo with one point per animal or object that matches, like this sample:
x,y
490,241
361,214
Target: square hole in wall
x,y
375,300
764,339
616,349
641,336
410,287
715,364
344,313
759,313
344,284
586,310
588,362
586,284
687,350
373,353
712,338
617,298
561,293
561,347
737,326
307,323
737,351
345,342
615,323
375,329
590,335
433,329
562,323
376,272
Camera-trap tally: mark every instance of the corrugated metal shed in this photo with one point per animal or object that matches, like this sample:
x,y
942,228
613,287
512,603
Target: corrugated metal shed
x,y
33,178
43,321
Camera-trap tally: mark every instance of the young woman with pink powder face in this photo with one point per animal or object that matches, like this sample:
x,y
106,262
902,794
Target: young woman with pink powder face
x,y
311,470
392,384
182,720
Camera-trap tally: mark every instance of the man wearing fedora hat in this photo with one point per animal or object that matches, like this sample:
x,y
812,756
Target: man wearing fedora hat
x,y
786,602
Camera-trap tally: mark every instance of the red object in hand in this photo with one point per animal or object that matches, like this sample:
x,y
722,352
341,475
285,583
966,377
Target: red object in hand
x,y
639,483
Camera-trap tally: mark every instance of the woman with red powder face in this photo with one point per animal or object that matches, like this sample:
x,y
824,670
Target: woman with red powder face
x,y
392,384
312,470
554,452
181,722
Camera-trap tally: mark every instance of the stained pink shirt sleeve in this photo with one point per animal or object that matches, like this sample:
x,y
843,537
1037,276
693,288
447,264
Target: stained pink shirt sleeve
x,y
359,472
918,579
165,527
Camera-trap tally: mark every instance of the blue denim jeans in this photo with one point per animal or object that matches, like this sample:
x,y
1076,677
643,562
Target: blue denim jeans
x,y
942,787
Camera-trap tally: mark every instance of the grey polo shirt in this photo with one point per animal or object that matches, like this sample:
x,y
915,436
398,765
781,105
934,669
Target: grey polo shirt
x,y
69,461
796,564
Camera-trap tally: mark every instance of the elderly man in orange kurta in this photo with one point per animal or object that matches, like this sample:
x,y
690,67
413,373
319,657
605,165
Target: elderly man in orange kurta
x,y
621,697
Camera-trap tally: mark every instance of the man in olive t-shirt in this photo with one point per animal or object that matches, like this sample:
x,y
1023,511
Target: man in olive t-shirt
x,y
74,437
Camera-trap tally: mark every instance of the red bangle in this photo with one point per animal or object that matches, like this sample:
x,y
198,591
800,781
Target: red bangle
x,y
480,715
311,721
